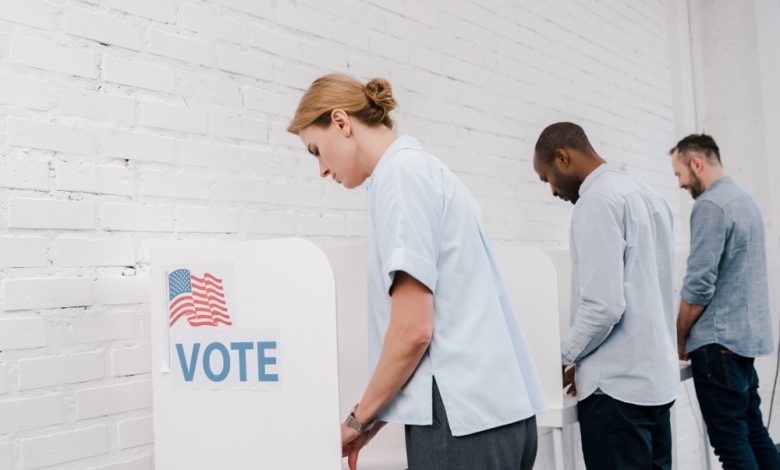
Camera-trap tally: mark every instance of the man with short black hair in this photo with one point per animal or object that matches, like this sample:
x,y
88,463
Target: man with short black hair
x,y
724,320
622,339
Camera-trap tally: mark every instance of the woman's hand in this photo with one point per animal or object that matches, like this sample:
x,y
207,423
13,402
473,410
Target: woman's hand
x,y
348,436
406,340
353,441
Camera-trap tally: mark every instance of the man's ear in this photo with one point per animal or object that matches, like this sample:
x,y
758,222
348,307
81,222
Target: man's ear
x,y
340,118
696,164
562,158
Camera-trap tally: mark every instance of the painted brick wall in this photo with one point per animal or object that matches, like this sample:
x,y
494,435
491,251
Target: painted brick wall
x,y
128,121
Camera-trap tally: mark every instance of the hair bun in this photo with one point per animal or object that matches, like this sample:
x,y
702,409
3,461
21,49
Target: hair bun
x,y
380,94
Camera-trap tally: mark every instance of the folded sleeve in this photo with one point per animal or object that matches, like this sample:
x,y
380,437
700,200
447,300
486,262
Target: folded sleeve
x,y
709,230
407,222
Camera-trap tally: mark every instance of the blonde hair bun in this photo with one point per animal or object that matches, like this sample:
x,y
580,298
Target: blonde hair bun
x,y
370,103
380,94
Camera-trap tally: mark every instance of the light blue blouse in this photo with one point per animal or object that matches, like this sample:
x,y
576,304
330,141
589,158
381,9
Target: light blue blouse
x,y
424,221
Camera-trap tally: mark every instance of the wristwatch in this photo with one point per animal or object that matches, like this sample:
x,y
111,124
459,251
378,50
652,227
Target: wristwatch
x,y
355,424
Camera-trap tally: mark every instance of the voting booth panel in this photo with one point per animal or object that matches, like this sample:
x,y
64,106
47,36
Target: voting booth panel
x,y
387,451
244,356
561,259
532,284
530,279
252,372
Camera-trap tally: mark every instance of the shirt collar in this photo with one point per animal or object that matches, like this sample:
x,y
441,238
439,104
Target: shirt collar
x,y
719,182
594,175
400,143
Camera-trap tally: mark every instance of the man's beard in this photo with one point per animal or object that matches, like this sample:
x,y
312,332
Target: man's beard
x,y
695,187
569,185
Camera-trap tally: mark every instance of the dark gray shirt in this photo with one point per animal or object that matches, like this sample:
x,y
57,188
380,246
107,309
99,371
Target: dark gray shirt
x,y
727,272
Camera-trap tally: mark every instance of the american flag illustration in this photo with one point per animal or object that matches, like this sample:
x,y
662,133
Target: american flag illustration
x,y
201,300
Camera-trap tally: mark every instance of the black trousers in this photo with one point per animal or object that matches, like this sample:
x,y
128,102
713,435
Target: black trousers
x,y
621,436
510,447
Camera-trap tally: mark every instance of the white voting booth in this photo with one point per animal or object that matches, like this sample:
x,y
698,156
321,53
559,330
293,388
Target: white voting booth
x,y
539,286
350,265
244,356
251,377
531,281
224,399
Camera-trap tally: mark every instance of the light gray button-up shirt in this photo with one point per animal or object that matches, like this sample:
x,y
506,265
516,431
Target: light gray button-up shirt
x,y
623,338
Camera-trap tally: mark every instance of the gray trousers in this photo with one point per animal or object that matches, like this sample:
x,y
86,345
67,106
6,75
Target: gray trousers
x,y
510,447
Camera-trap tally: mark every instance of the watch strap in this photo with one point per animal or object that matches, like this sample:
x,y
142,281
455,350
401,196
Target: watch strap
x,y
356,425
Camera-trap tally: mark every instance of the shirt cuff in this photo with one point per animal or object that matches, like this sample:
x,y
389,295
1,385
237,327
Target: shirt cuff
x,y
414,265
566,359
694,299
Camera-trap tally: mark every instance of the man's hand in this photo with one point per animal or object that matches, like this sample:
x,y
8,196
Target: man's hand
x,y
681,349
689,315
568,379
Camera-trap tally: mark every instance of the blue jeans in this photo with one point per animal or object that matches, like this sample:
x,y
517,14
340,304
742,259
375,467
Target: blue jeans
x,y
727,388
621,436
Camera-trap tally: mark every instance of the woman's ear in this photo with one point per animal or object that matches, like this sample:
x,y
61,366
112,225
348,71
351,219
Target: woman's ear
x,y
341,119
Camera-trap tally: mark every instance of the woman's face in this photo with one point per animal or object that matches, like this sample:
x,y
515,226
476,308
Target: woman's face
x,y
335,150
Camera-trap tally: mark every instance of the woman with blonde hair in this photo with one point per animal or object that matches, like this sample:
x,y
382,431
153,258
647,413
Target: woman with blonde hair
x,y
446,353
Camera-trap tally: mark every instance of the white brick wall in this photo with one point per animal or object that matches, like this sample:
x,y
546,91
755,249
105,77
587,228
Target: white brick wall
x,y
6,456
135,432
40,213
140,147
3,380
159,10
131,361
142,463
22,333
26,93
103,28
63,447
50,371
176,47
34,293
32,12
98,106
21,252
34,52
85,252
124,121
113,399
42,135
24,174
135,217
138,74
30,413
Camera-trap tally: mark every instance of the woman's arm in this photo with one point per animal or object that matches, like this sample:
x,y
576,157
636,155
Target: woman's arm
x,y
406,340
